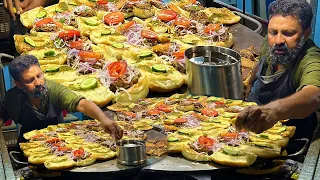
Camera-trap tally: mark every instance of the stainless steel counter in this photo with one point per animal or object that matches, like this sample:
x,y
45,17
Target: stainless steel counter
x,y
6,170
311,164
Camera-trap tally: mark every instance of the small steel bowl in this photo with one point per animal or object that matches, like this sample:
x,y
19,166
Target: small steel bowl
x,y
131,152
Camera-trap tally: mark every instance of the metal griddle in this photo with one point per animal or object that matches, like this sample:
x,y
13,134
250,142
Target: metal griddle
x,y
180,164
112,166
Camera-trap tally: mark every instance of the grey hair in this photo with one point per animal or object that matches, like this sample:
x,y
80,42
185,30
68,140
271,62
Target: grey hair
x,y
299,9
20,64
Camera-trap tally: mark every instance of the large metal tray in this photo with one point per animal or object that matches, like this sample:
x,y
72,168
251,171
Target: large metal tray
x,y
112,166
180,164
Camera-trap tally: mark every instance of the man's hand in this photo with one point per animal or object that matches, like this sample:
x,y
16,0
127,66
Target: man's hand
x,y
92,110
112,128
30,4
17,7
12,9
257,118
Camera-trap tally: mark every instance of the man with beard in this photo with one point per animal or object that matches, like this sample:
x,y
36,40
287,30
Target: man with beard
x,y
285,83
36,103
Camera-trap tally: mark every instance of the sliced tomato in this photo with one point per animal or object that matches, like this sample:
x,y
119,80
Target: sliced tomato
x,y
211,28
78,152
66,35
198,116
89,55
153,112
126,25
165,108
149,34
48,20
38,136
130,114
114,18
178,55
219,102
102,2
193,1
209,112
58,144
117,69
53,140
180,120
205,141
229,135
76,44
182,21
167,15
62,148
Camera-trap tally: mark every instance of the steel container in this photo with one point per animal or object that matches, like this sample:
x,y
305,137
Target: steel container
x,y
207,78
131,152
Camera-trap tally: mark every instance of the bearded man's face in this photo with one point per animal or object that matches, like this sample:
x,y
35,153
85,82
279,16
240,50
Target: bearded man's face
x,y
285,38
33,83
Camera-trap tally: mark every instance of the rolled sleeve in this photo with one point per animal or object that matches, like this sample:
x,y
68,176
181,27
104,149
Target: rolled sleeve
x,y
310,74
63,98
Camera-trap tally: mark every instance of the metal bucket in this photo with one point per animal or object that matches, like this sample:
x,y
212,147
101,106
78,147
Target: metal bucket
x,y
131,152
219,75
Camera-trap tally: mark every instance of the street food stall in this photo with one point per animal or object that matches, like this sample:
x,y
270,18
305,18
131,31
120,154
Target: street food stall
x,y
148,65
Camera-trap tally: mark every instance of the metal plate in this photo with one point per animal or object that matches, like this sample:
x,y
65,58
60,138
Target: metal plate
x,y
112,166
180,164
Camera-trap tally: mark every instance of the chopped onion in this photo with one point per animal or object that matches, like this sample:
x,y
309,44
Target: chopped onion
x,y
59,43
85,67
66,16
125,91
192,121
82,8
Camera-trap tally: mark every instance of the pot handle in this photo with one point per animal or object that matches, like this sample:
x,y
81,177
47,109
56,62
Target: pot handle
x,y
11,154
303,149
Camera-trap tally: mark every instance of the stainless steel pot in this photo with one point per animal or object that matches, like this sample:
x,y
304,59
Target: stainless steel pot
x,y
219,75
131,152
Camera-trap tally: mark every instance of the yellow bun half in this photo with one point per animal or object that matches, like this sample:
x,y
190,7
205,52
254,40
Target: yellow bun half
x,y
101,153
38,159
40,43
86,29
97,38
132,56
59,163
244,160
163,82
65,73
36,150
176,146
30,134
59,57
191,154
28,18
86,162
269,151
288,132
272,139
100,95
135,92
